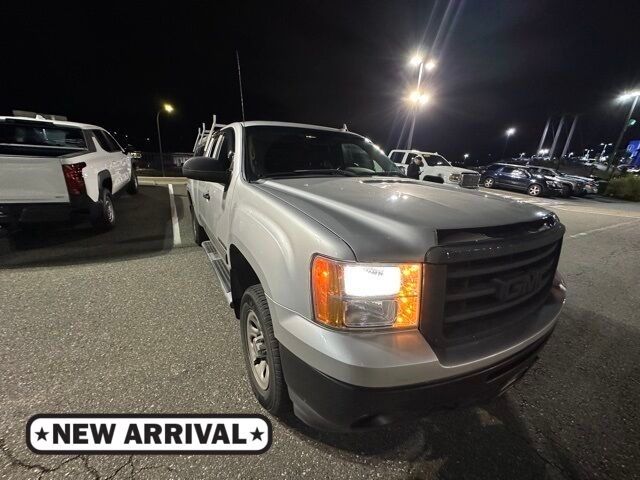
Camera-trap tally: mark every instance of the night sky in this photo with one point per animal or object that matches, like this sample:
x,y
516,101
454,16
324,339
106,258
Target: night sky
x,y
500,64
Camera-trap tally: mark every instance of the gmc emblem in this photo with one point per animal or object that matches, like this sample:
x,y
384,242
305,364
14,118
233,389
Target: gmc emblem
x,y
515,287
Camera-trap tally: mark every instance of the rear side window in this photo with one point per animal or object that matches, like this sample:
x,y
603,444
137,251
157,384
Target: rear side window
x,y
106,141
492,168
37,138
507,169
396,157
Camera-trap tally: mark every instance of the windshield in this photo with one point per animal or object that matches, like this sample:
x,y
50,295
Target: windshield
x,y
435,160
274,151
39,138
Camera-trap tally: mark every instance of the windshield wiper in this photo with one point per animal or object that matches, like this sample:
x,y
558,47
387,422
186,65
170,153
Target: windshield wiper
x,y
317,171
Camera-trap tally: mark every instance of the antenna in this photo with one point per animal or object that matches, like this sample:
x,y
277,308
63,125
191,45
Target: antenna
x,y
240,82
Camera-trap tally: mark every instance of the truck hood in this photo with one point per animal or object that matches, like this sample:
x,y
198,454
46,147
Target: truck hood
x,y
392,219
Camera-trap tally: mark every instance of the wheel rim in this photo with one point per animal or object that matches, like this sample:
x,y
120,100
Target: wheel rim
x,y
534,190
257,351
488,182
109,212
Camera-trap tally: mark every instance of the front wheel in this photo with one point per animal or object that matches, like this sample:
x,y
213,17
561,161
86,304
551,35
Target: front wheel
x,y
262,352
103,215
534,190
489,182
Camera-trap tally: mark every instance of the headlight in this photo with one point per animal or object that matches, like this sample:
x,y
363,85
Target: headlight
x,y
551,220
454,177
357,295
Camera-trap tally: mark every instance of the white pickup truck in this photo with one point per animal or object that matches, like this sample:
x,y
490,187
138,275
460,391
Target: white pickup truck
x,y
436,168
60,171
363,296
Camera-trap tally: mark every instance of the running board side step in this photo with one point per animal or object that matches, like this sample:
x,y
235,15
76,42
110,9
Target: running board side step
x,y
220,270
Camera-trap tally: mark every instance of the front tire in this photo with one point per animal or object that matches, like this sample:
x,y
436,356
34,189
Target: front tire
x,y
489,182
535,190
262,352
103,214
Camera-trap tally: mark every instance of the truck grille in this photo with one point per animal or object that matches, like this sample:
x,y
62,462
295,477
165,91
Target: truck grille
x,y
474,289
469,180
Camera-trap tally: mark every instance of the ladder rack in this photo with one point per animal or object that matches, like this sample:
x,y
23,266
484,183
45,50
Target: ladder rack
x,y
207,135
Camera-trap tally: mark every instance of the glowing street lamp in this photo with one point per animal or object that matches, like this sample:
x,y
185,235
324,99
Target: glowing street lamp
x,y
416,60
168,108
510,131
466,155
417,98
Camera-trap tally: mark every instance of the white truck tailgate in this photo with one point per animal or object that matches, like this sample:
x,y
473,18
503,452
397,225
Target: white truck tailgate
x,y
26,179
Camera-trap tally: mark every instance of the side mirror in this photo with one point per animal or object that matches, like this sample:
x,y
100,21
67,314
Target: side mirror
x,y
206,169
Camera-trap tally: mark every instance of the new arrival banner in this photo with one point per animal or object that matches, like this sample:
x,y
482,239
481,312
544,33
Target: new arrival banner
x,y
148,434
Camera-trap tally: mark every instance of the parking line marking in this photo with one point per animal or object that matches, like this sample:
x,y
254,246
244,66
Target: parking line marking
x,y
177,241
582,234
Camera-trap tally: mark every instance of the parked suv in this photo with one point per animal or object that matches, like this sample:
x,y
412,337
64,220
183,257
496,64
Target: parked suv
x,y
56,171
356,307
517,177
435,168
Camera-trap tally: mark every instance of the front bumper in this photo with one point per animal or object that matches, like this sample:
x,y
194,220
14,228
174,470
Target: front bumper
x,y
329,404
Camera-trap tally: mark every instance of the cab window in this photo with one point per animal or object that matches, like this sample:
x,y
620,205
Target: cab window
x,y
225,149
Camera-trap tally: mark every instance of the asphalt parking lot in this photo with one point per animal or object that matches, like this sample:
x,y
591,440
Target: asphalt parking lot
x,y
133,321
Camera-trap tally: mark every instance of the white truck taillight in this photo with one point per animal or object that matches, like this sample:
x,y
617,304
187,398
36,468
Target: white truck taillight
x,y
73,178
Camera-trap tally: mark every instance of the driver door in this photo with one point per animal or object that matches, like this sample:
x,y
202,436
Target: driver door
x,y
216,216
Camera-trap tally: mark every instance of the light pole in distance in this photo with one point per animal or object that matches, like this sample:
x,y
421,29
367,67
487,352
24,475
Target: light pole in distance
x,y
508,134
166,107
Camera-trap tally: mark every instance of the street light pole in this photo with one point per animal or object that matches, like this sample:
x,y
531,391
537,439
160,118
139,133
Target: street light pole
x,y
418,98
508,134
167,108
415,107
604,148
160,142
635,96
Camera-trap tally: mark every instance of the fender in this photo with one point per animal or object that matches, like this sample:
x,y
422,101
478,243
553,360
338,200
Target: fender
x,y
280,248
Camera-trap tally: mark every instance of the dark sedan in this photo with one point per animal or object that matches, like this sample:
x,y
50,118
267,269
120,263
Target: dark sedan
x,y
515,177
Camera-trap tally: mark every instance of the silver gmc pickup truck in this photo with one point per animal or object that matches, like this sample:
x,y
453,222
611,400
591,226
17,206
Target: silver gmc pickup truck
x,y
365,297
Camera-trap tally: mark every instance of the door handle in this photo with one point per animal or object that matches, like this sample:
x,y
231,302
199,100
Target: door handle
x,y
206,195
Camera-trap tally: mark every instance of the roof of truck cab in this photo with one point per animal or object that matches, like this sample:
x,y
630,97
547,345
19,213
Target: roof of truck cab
x,y
265,123
57,123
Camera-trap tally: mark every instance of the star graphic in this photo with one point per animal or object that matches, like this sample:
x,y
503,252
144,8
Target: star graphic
x,y
42,435
257,434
